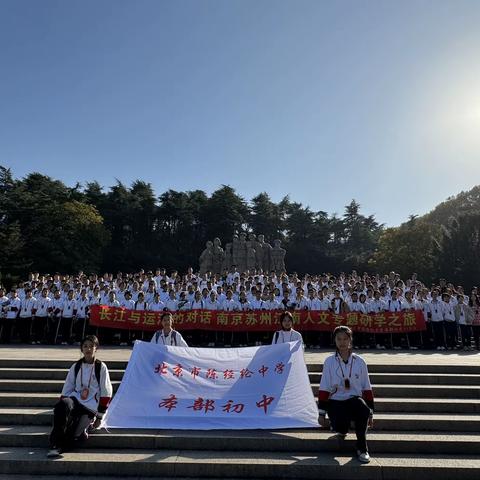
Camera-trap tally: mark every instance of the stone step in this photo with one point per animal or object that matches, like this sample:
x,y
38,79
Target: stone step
x,y
419,391
383,421
233,464
380,391
312,367
252,440
382,405
411,379
376,378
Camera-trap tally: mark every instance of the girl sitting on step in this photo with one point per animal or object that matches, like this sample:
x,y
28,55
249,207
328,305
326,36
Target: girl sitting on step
x,y
345,392
85,397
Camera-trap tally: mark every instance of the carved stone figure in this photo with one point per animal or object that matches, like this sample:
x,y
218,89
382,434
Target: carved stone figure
x,y
228,260
235,251
242,252
278,257
264,250
251,259
218,256
206,258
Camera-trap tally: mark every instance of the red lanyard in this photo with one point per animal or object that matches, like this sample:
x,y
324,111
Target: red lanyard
x,y
91,372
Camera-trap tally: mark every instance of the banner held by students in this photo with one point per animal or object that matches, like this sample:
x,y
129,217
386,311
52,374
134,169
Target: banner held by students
x,y
204,388
258,320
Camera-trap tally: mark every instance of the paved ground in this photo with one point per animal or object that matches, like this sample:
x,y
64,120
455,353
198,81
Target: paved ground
x,y
312,356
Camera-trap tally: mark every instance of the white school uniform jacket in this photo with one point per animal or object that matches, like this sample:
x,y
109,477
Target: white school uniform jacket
x,y
99,395
394,305
256,304
57,306
43,304
174,339
230,305
332,384
302,303
128,304
376,306
156,306
357,307
82,307
282,336
69,308
209,305
243,306
4,301
15,303
448,312
171,304
436,310
27,306
197,305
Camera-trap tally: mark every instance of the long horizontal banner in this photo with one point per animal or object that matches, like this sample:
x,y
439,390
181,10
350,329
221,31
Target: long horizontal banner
x,y
257,320
214,388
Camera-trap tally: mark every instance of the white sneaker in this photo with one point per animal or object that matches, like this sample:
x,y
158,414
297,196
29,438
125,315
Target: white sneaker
x,y
54,453
363,457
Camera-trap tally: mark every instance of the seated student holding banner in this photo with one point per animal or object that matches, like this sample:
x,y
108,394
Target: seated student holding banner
x,y
167,335
345,392
85,397
287,333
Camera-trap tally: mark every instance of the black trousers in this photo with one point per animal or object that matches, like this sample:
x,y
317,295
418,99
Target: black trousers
x,y
438,334
24,325
476,335
66,416
343,412
451,334
6,325
466,335
39,328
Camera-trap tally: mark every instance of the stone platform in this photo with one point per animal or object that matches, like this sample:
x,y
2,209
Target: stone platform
x,y
427,425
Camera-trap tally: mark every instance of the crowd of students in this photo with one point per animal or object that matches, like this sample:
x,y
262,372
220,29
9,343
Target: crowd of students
x,y
55,308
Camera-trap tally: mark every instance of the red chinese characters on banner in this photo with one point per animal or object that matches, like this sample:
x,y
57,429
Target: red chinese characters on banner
x,y
258,320
265,402
200,404
169,403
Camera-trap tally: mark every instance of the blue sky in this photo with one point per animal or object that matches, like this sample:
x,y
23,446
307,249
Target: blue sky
x,y
324,101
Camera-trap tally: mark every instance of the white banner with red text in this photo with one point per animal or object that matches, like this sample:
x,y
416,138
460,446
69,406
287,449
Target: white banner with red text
x,y
214,388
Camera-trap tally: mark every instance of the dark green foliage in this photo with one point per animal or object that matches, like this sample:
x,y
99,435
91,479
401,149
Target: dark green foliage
x,y
47,226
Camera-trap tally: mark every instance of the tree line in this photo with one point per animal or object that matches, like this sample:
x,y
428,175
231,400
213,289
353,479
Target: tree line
x,y
47,226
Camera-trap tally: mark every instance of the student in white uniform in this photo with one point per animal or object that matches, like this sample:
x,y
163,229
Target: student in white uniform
x,y
464,317
287,333
167,335
345,392
86,395
27,311
69,312
156,305
41,316
12,310
449,322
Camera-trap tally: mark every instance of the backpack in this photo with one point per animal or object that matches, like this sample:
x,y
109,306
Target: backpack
x,y
98,369
174,336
